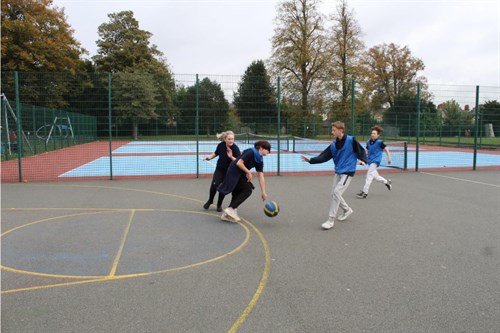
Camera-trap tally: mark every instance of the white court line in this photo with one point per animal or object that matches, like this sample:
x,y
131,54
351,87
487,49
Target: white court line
x,y
464,180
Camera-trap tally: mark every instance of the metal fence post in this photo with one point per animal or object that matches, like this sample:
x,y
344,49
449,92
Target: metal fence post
x,y
110,119
19,128
476,130
197,130
352,109
279,122
418,127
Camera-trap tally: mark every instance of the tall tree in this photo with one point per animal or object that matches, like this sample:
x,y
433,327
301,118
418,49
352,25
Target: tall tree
x,y
37,39
300,54
135,98
390,71
455,120
255,98
125,48
347,47
122,45
212,106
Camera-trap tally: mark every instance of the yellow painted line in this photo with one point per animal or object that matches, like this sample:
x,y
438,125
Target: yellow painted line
x,y
24,272
122,188
11,291
122,244
124,276
262,283
50,219
238,248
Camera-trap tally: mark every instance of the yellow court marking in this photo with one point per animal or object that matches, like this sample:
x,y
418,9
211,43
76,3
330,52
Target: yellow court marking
x,y
262,283
122,244
125,189
244,315
49,218
112,275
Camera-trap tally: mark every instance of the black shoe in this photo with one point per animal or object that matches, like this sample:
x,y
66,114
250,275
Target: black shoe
x,y
388,185
219,208
361,195
207,205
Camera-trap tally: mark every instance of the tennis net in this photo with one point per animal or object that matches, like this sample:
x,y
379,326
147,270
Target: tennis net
x,y
282,143
313,147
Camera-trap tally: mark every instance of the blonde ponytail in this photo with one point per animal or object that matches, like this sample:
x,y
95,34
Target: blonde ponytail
x,y
222,136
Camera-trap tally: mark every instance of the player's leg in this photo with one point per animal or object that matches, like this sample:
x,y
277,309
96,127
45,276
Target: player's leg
x,y
241,193
370,174
212,191
338,192
218,179
379,178
340,183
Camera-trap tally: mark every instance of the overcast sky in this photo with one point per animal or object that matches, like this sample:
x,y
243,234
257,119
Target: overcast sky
x,y
458,41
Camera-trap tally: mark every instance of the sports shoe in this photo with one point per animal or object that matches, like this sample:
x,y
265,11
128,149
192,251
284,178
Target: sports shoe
x,y
345,215
361,195
388,185
219,208
328,224
232,213
207,204
227,218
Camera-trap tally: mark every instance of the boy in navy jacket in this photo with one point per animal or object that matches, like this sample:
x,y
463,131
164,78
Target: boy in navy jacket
x,y
345,151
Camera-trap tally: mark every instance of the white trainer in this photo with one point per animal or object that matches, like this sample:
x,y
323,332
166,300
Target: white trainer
x,y
328,224
232,213
345,215
227,218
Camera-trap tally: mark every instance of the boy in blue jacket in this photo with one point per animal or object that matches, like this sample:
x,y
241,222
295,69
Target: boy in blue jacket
x,y
345,151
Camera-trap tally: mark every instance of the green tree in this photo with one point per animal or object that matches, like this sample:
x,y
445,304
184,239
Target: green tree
x,y
255,98
402,116
125,48
490,113
212,106
37,39
455,120
300,54
135,98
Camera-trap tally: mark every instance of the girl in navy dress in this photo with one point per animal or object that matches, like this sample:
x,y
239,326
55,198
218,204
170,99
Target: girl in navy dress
x,y
227,151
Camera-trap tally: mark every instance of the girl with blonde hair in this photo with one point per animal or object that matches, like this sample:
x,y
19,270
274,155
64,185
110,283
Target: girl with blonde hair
x,y
227,151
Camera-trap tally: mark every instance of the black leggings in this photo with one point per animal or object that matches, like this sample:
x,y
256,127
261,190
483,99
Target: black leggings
x,y
216,181
241,192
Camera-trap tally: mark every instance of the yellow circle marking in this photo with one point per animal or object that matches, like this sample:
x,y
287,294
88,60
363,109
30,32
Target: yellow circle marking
x,y
117,257
241,319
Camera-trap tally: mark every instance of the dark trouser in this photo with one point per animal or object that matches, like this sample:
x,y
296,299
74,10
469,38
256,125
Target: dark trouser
x,y
241,192
216,181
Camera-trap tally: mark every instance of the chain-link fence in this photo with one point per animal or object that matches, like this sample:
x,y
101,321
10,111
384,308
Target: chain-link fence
x,y
146,121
